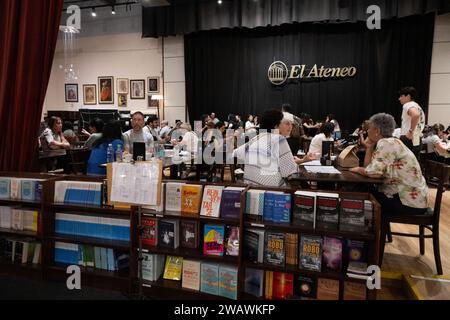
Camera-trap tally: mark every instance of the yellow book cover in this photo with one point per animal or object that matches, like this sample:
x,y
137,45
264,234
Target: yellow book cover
x,y
35,221
191,196
269,284
173,268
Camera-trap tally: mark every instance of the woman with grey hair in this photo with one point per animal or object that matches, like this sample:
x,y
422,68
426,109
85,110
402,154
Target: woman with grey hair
x,y
405,190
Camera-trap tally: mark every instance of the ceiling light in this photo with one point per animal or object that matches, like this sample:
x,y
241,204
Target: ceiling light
x,y
93,12
113,10
219,1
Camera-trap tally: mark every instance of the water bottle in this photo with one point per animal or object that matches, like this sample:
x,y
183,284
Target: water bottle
x,y
110,153
161,152
119,153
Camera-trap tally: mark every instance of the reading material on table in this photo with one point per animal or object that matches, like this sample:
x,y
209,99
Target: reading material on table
x,y
322,169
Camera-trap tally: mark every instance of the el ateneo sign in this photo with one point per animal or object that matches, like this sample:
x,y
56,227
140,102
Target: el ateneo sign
x,y
279,73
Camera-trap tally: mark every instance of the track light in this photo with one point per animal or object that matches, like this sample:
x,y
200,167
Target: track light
x,y
113,10
93,12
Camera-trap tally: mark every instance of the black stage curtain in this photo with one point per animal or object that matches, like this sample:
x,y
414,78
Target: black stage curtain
x,y
187,16
226,70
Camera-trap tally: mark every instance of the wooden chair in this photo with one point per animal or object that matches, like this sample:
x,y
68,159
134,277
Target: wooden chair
x,y
429,221
78,159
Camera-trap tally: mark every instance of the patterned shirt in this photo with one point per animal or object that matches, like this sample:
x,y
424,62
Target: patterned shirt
x,y
394,161
268,160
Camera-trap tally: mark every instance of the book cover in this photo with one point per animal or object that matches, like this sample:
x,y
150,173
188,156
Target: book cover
x,y
305,287
189,233
191,196
228,280
212,197
232,241
352,216
230,207
311,253
281,211
5,184
254,245
274,251
173,196
292,249
283,285
152,266
368,215
191,275
254,282
268,206
30,220
332,253
167,233
16,189
355,251
209,278
28,187
38,191
149,231
17,219
213,243
254,204
327,213
355,291
327,289
173,268
268,292
305,209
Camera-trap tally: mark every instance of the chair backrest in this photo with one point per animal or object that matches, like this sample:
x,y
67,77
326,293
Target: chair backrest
x,y
442,172
44,144
78,160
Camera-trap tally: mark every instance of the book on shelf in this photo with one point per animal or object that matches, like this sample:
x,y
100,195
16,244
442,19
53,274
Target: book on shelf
x,y
20,251
5,217
212,197
189,234
17,219
157,208
191,197
228,280
332,253
305,287
281,211
191,275
355,251
173,268
254,204
30,220
232,241
274,248
5,187
152,266
305,209
310,253
168,233
254,245
283,285
268,288
368,215
173,196
78,192
230,207
254,282
352,215
28,188
327,289
209,276
149,231
16,189
327,210
213,243
292,249
355,290
269,200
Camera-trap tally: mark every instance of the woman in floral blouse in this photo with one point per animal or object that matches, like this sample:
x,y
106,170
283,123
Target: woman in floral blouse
x,y
405,190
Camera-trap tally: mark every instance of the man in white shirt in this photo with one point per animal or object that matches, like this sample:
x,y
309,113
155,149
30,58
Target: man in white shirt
x,y
165,130
137,134
413,120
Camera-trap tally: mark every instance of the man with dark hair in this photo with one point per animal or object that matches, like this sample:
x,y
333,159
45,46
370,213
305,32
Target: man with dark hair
x,y
136,134
152,126
413,120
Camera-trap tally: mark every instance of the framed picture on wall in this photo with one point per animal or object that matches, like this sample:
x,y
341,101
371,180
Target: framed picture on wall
x,y
122,85
89,94
122,100
137,88
106,90
71,92
153,84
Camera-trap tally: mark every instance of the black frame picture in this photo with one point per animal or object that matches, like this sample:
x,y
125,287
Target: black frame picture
x,y
137,94
71,88
153,84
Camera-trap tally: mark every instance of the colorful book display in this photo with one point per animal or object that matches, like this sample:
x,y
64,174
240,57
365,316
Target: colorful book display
x,y
212,197
311,253
191,196
213,243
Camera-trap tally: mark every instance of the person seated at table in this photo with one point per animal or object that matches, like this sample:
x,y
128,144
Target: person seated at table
x,y
54,136
190,141
315,148
112,134
165,130
267,157
438,144
309,126
69,134
94,133
136,134
405,190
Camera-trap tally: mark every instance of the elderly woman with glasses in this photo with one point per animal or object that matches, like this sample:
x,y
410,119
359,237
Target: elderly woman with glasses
x,y
404,190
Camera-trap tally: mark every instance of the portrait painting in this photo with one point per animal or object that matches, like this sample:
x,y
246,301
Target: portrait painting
x,y
122,100
71,92
90,94
106,90
122,85
153,84
137,88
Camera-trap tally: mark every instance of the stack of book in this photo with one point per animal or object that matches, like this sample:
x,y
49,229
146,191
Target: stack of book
x,y
78,192
20,251
20,189
18,219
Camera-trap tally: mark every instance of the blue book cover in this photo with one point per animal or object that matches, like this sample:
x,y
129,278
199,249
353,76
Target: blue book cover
x,y
254,282
98,257
281,207
228,279
268,206
111,261
104,258
28,187
38,191
5,185
231,204
209,278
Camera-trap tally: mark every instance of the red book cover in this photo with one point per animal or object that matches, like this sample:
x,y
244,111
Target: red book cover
x,y
283,285
150,231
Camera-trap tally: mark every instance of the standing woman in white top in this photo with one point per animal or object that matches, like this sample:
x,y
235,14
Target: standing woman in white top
x,y
315,148
337,129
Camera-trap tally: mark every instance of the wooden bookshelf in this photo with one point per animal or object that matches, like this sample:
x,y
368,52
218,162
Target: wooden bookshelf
x,y
96,242
19,233
194,217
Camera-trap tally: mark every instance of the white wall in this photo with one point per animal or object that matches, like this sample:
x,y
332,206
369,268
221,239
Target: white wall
x,y
112,46
439,103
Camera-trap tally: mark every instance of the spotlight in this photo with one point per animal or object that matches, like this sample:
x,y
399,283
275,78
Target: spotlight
x,y
93,12
113,10
219,1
